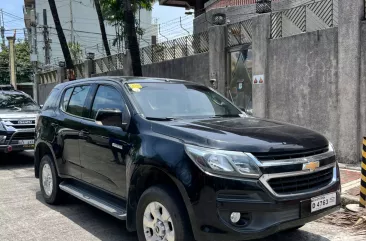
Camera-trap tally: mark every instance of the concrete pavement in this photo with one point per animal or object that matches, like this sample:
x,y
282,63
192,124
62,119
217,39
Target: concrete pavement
x,y
25,216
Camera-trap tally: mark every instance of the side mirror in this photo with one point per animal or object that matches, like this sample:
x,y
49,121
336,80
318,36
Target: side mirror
x,y
41,106
247,111
109,117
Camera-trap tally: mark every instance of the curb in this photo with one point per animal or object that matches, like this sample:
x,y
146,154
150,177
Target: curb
x,y
349,167
348,199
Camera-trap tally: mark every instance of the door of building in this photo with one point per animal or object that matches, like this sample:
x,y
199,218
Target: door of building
x,y
240,72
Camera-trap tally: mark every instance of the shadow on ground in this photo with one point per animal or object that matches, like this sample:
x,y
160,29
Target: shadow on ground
x,y
16,160
93,220
298,235
101,225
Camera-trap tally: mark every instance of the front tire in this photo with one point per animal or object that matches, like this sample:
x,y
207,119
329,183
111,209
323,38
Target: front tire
x,y
49,181
161,215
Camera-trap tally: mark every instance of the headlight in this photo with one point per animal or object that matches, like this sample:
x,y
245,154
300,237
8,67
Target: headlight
x,y
227,163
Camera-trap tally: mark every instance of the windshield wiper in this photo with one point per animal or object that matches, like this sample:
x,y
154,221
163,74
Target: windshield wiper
x,y
221,116
161,118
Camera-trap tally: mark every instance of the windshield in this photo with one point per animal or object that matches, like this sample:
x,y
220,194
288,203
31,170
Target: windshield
x,y
179,100
17,102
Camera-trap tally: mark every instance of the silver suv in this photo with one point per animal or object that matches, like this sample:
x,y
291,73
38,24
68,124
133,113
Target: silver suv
x,y
17,120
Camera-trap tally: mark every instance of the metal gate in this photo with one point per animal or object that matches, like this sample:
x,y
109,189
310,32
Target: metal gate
x,y
239,88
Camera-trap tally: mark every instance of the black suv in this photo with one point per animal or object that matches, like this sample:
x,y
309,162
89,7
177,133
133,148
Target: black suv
x,y
178,161
17,120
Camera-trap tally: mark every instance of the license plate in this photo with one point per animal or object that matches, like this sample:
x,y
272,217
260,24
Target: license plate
x,y
26,142
324,201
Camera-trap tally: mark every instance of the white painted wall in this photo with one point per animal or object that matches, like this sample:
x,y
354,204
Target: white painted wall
x,y
86,28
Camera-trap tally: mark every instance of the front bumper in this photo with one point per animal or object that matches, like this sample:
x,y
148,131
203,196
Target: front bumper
x,y
264,213
15,148
17,141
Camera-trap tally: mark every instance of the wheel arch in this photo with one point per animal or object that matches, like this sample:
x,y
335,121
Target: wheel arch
x,y
41,149
147,176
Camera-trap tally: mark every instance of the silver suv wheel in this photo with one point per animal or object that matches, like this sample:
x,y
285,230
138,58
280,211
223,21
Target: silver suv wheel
x,y
47,181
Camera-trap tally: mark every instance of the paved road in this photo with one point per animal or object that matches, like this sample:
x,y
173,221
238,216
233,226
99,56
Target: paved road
x,y
24,215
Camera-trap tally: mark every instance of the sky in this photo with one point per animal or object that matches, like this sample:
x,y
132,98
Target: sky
x,y
167,17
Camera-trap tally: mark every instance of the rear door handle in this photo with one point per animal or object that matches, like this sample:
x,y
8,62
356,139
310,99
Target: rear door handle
x,y
84,133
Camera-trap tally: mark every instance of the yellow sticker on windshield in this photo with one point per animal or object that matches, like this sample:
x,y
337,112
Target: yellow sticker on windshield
x,y
135,86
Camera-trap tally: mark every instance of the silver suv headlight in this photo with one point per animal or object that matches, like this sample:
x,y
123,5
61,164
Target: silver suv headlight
x,y
224,163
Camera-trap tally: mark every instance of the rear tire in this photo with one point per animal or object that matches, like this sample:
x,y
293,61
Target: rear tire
x,y
161,214
49,181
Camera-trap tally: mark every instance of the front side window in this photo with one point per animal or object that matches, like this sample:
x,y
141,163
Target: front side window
x,y
107,97
17,102
179,100
77,100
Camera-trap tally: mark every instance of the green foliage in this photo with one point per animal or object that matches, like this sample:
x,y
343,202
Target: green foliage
x,y
76,52
113,13
22,61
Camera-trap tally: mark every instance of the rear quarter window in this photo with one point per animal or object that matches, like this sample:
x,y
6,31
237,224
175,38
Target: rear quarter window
x,y
77,100
51,99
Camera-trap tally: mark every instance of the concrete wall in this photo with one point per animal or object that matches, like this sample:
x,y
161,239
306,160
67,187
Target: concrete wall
x,y
363,81
193,68
303,81
235,14
43,91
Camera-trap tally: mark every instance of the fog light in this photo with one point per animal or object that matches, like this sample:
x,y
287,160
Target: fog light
x,y
235,217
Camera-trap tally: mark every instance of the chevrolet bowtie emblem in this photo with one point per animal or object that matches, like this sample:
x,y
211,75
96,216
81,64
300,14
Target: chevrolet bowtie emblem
x,y
311,166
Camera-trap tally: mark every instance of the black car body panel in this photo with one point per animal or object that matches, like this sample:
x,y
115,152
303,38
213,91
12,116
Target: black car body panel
x,y
124,161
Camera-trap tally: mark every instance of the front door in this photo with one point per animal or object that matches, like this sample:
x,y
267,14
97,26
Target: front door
x,y
103,149
240,88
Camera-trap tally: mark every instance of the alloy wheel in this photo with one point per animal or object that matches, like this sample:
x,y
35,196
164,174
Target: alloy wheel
x,y
158,224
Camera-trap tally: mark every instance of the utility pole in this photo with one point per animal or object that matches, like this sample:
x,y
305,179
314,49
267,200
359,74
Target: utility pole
x,y
46,38
71,23
13,76
2,28
34,55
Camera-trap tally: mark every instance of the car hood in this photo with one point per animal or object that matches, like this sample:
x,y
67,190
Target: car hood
x,y
242,134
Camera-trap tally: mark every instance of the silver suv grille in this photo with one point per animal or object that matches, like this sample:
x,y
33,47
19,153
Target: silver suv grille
x,y
19,129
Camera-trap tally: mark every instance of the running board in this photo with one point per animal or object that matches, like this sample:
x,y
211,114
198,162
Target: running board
x,y
102,202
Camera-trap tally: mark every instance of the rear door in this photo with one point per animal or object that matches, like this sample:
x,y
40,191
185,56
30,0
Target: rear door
x,y
70,128
103,149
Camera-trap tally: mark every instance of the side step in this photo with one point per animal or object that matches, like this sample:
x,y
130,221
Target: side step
x,y
103,202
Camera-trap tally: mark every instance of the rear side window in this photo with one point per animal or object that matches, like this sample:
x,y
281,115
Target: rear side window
x,y
51,99
107,97
65,100
77,100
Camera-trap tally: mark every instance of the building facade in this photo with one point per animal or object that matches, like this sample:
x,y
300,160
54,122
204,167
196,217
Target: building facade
x,y
80,23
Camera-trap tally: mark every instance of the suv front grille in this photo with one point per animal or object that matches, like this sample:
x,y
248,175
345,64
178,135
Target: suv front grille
x,y
23,136
301,183
289,155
